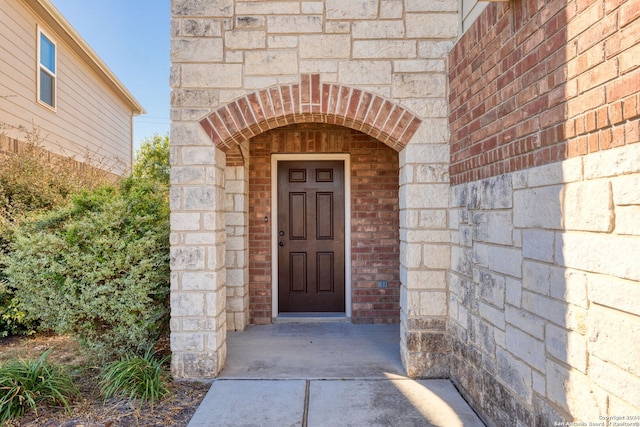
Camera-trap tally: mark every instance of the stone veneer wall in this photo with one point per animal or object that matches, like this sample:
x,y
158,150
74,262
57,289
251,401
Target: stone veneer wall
x,y
240,68
545,217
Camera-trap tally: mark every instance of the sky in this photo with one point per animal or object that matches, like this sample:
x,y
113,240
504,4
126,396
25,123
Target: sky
x,y
132,38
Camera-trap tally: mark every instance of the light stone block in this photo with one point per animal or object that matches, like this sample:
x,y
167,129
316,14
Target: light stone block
x,y
538,208
409,85
267,8
197,50
271,62
378,30
593,252
566,346
425,196
282,42
211,75
318,66
313,7
492,193
411,254
337,27
610,338
522,345
187,341
515,374
383,49
432,6
627,220
390,9
461,260
492,227
536,277
245,39
364,72
187,175
431,25
426,152
538,244
249,22
492,289
426,279
572,391
615,293
432,219
569,286
588,207
434,49
505,260
187,258
615,380
433,303
617,161
419,66
527,322
326,46
294,24
200,238
547,308
437,256
492,315
198,27
209,8
352,9
626,190
199,198
513,292
184,221
194,97
430,107
187,304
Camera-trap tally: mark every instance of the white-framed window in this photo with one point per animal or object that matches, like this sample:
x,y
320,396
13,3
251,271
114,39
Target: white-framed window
x,y
46,81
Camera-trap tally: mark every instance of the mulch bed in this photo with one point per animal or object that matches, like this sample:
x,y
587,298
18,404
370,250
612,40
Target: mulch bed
x,y
174,410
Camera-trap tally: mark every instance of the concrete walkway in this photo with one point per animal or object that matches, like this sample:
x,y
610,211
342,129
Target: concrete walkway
x,y
325,374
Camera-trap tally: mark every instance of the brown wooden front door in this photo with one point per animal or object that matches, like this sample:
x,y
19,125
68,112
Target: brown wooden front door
x,y
311,266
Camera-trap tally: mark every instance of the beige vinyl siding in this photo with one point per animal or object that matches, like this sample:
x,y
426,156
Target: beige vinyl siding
x,y
471,9
89,116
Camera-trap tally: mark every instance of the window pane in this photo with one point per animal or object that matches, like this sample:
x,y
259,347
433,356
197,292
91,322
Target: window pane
x,y
47,53
47,88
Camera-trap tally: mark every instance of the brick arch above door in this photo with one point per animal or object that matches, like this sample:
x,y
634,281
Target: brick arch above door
x,y
310,101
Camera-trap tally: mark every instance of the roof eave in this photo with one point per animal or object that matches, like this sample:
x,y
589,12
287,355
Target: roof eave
x,y
52,17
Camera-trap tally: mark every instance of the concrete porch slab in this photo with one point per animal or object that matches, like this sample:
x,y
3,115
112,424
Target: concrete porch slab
x,y
330,350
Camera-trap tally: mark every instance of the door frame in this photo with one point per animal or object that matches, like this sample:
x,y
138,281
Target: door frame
x,y
275,158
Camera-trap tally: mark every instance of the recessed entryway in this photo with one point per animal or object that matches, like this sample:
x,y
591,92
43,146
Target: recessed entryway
x,y
310,235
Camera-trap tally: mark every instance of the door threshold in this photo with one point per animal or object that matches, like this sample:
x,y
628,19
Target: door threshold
x,y
310,317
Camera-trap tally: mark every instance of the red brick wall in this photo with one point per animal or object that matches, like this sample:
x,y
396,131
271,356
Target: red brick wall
x,y
374,222
535,81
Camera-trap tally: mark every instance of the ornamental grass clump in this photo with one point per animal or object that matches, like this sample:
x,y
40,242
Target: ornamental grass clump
x,y
27,384
135,377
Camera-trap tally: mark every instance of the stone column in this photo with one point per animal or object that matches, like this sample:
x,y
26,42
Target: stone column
x,y
198,297
237,244
424,252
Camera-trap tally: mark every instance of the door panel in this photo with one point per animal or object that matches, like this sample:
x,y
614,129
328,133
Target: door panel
x,y
311,266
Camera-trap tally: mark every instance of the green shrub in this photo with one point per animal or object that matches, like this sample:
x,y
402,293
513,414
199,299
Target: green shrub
x,y
32,181
99,268
27,384
152,159
135,377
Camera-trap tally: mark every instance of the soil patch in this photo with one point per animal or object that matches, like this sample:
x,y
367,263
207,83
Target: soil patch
x,y
90,410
